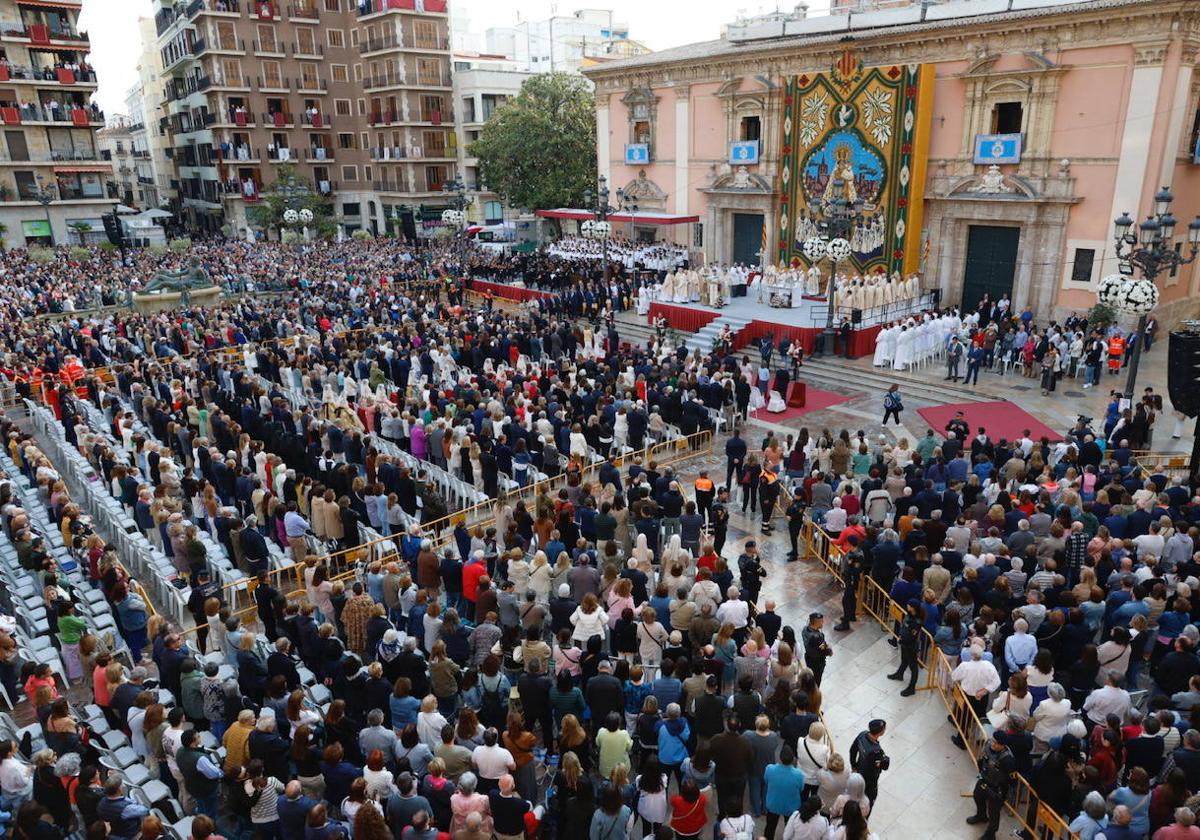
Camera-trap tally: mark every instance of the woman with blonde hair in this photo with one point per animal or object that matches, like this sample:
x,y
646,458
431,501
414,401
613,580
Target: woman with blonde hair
x,y
572,737
540,575
812,756
832,780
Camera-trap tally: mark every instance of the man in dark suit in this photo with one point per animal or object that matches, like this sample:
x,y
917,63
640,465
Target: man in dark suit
x,y
534,688
282,663
604,696
769,622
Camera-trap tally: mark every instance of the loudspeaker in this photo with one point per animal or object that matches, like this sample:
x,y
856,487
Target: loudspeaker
x,y
1183,372
112,228
855,316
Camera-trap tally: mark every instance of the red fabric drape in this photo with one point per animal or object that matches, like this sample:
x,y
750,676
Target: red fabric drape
x,y
503,290
65,76
682,318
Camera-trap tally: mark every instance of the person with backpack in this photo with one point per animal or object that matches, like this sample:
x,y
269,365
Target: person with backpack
x,y
892,404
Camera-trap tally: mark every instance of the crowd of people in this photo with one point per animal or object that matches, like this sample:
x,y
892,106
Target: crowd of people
x,y
590,659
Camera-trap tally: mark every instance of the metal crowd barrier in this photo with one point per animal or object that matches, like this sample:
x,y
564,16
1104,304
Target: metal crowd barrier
x,y
1035,816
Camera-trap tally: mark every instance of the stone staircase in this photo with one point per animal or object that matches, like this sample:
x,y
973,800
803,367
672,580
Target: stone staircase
x,y
703,339
924,387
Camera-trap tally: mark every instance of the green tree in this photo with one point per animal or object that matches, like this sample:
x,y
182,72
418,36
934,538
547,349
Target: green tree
x,y
539,149
268,213
82,229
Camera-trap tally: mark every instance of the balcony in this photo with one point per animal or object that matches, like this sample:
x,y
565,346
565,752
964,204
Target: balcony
x,y
203,83
382,117
388,186
199,46
276,84
53,156
42,35
230,45
145,180
303,12
327,187
197,7
387,42
74,114
307,50
242,154
42,76
439,44
241,118
276,48
319,154
282,155
209,119
311,85
315,121
279,119
383,153
220,80
141,154
423,80
375,7
437,117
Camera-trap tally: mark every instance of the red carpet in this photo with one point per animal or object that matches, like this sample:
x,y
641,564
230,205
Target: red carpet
x,y
815,400
1001,419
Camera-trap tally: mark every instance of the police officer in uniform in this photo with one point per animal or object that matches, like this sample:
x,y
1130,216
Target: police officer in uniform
x,y
720,520
751,572
816,649
852,572
996,767
867,757
795,521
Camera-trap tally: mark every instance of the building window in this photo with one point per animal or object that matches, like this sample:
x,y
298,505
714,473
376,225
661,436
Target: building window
x,y
338,72
366,173
354,37
332,5
751,128
468,109
493,212
336,38
341,107
435,176
362,107
351,208
1007,118
1081,268
349,173
346,141
1175,266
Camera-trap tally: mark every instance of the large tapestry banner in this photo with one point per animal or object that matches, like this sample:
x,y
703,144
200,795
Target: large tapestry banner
x,y
859,134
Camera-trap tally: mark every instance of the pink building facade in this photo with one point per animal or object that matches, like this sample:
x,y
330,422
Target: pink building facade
x,y
1046,121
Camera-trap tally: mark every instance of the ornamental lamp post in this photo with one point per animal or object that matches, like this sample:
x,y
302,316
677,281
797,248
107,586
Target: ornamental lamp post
x,y
601,228
1152,251
838,217
456,190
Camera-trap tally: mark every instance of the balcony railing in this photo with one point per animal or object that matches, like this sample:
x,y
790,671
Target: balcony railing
x,y
303,11
279,119
387,42
307,50
276,48
40,33
53,156
59,75
388,186
221,80
282,155
242,117
68,113
326,187
431,44
274,83
316,121
388,153
371,7
197,6
318,155
243,153
303,84
379,117
199,46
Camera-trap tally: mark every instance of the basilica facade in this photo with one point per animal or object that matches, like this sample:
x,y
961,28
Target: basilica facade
x,y
986,144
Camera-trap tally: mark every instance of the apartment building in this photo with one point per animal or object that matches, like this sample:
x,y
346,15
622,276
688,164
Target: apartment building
x,y
51,174
355,97
144,104
115,143
482,83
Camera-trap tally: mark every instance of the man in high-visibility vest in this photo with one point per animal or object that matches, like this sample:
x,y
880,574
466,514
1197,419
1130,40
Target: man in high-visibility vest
x,y
705,493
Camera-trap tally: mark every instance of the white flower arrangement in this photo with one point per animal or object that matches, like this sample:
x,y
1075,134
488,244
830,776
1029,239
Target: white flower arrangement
x,y
1138,297
839,249
814,249
1110,289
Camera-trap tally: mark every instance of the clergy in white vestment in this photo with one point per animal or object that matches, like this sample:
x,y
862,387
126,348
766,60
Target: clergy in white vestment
x,y
643,300
881,346
904,348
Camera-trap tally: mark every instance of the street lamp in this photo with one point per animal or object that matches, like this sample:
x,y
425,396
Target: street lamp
x,y
456,217
600,228
1152,251
294,193
44,196
838,217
